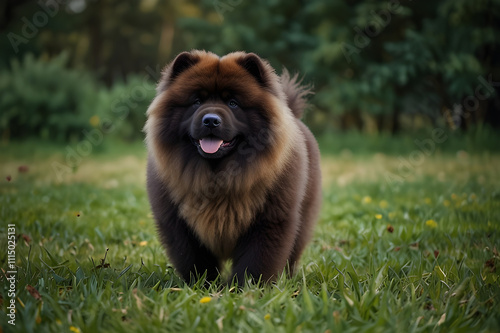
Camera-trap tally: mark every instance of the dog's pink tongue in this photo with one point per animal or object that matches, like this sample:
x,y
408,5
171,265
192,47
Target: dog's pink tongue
x,y
210,145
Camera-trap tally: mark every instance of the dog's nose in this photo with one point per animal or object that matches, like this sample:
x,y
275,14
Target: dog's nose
x,y
211,120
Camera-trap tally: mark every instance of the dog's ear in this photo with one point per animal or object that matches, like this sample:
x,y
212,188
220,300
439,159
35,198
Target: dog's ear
x,y
263,72
181,63
257,67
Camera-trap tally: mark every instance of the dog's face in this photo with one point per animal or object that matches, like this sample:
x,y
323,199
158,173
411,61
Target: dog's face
x,y
210,108
217,122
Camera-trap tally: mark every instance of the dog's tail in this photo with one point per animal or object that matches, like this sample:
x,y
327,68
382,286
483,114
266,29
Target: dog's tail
x,y
295,92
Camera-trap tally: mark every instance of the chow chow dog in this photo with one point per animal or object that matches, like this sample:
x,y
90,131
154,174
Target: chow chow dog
x,y
233,173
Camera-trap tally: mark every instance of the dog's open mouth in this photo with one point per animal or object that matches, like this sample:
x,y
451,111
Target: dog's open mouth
x,y
214,147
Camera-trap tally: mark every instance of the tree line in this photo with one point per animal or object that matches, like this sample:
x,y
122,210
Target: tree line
x,y
376,66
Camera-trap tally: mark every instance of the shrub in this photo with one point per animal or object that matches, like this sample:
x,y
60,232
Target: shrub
x,y
45,99
124,106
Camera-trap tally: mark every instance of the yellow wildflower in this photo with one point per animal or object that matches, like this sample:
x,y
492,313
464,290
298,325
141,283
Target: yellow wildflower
x,y
431,223
428,201
143,243
446,203
74,329
267,316
367,199
378,216
94,121
205,300
383,204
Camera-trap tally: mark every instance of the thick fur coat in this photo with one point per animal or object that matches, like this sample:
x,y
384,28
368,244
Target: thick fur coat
x,y
232,171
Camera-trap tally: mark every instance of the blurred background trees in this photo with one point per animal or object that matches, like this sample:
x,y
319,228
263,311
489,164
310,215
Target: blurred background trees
x,y
376,66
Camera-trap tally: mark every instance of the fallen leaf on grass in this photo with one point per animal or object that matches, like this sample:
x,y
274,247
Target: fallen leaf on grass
x,y
442,319
23,168
137,299
336,316
491,265
219,323
33,292
27,239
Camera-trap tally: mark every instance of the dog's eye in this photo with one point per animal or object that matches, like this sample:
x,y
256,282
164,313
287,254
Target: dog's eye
x,y
233,104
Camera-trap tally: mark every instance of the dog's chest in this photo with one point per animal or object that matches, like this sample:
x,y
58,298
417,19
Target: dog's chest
x,y
219,222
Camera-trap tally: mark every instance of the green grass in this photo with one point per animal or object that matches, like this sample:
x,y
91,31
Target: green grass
x,y
393,251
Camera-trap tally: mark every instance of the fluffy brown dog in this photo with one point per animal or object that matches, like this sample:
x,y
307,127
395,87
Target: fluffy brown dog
x,y
232,171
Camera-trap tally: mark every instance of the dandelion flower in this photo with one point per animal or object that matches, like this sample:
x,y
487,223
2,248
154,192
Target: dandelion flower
x,y
383,204
94,121
143,243
378,216
367,199
74,329
267,316
205,300
431,223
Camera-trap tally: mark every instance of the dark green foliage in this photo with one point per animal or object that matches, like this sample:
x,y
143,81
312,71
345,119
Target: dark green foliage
x,y
370,61
124,106
375,65
45,99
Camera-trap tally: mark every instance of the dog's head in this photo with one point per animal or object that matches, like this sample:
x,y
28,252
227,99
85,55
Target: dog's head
x,y
211,107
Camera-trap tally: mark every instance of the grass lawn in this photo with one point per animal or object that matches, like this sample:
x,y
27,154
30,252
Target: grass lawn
x,y
402,245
